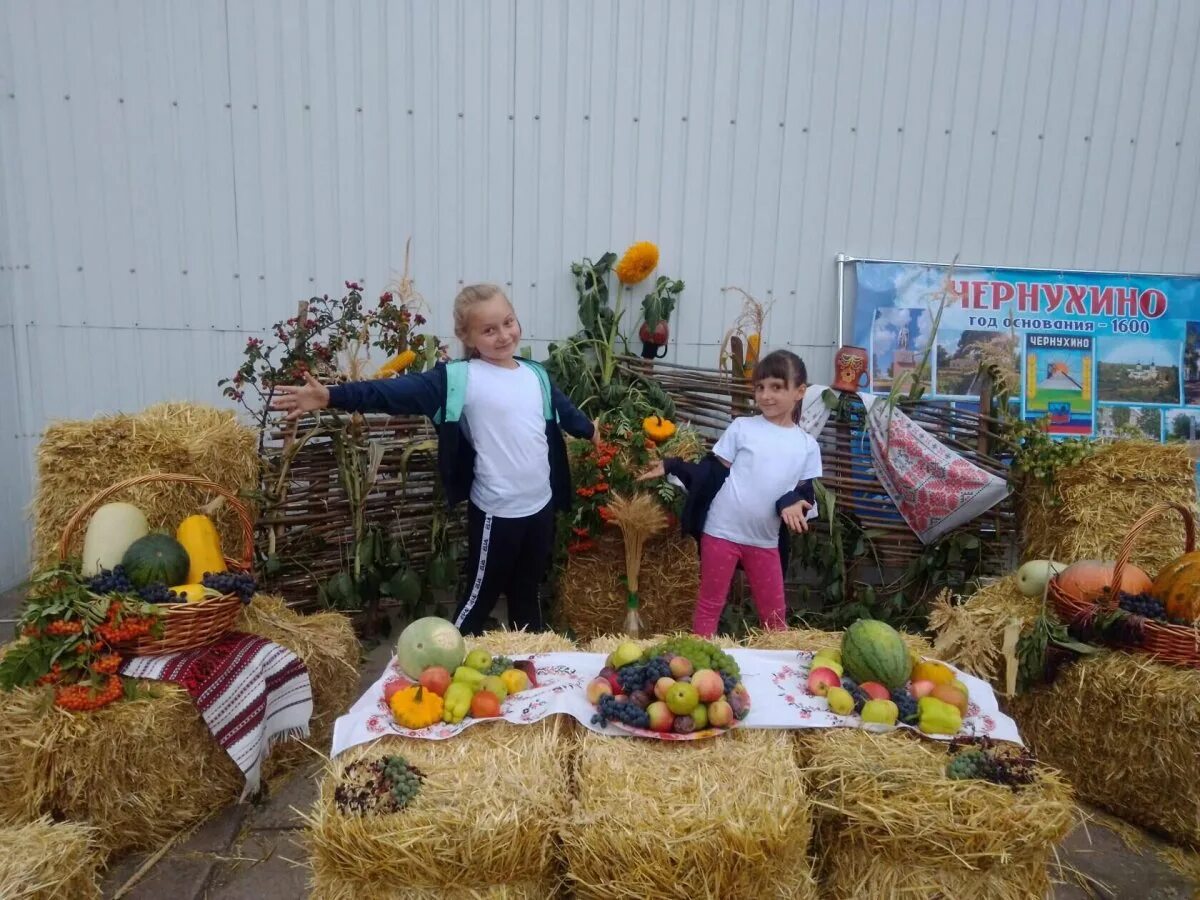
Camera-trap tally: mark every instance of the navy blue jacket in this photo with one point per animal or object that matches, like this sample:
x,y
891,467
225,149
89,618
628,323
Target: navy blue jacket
x,y
424,394
704,479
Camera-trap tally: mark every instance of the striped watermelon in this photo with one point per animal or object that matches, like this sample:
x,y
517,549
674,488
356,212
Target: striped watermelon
x,y
874,651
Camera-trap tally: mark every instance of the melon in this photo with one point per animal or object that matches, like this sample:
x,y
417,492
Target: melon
x,y
112,530
430,642
156,559
1032,577
874,651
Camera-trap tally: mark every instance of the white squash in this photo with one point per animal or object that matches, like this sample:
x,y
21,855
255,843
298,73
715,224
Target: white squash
x,y
1032,577
113,528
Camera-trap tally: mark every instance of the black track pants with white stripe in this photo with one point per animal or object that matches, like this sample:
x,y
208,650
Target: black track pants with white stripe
x,y
509,557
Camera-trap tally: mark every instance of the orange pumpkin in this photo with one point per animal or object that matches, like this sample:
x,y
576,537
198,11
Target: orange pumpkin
x,y
1089,578
1178,587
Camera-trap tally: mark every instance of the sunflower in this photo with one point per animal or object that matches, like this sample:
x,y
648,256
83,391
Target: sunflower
x,y
638,262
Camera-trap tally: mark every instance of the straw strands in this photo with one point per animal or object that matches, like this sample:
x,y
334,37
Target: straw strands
x,y
78,459
46,861
503,642
142,769
971,635
726,817
639,517
891,824
1087,512
592,597
486,816
815,639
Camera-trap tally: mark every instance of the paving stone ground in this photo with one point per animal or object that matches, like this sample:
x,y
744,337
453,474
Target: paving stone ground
x,y
252,852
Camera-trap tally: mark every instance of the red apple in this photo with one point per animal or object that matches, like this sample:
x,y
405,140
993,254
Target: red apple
x,y
708,685
597,688
661,717
922,688
720,714
395,686
436,679
875,690
681,666
662,686
821,680
610,675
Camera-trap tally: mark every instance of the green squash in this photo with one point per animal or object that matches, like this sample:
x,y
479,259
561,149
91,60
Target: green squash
x,y
156,559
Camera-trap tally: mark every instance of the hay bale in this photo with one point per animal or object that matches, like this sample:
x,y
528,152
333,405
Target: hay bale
x,y
78,459
483,824
970,635
815,639
1087,511
726,817
592,596
45,861
1124,731
503,642
607,643
142,769
891,824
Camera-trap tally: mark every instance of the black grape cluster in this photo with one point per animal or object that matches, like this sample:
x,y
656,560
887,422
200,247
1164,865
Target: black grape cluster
x,y
621,711
906,703
729,681
240,583
113,581
1143,605
158,593
642,676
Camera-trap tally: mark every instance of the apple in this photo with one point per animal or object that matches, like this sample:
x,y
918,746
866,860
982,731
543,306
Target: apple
x,y
875,690
681,666
828,662
700,717
597,688
682,698
435,679
708,685
947,693
922,688
479,660
840,701
720,714
821,680
393,687
609,674
880,712
663,685
661,718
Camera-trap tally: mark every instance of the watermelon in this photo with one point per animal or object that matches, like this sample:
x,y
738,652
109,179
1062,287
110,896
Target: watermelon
x,y
874,651
430,642
156,559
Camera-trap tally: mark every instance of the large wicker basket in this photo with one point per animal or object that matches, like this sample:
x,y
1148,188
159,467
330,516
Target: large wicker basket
x,y
1169,643
184,626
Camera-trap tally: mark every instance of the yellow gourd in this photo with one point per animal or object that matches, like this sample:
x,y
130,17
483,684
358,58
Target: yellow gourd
x,y
658,429
396,364
190,593
199,537
753,343
416,707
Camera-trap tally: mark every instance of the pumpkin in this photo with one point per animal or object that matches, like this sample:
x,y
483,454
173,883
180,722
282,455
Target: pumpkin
x,y
156,559
112,530
658,429
199,538
1177,587
1089,578
429,642
396,364
415,707
874,651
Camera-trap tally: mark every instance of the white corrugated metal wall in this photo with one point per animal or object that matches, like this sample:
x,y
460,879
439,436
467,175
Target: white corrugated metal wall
x,y
176,175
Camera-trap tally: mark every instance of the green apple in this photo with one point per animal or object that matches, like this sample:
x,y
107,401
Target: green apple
x,y
479,660
628,652
682,698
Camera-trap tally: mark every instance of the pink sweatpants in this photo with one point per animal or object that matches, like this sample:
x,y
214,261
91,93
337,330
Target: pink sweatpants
x,y
718,559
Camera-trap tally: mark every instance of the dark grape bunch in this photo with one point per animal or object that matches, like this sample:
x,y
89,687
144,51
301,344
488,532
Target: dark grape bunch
x,y
729,681
240,583
989,762
113,581
642,676
860,696
622,711
1143,605
906,703
158,593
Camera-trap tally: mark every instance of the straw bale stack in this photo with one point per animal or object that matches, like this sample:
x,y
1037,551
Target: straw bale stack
x,y
725,817
46,861
891,824
1087,511
142,769
78,459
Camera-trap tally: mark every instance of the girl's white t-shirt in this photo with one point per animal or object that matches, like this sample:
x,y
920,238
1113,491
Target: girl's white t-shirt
x,y
504,420
767,461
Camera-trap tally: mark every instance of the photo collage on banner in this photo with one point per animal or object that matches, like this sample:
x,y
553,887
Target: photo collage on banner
x,y
1089,354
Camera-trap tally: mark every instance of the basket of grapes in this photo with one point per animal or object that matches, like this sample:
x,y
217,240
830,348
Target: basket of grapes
x,y
199,591
683,689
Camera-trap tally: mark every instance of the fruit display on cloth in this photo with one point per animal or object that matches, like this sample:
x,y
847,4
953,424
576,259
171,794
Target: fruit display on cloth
x,y
681,689
875,676
446,683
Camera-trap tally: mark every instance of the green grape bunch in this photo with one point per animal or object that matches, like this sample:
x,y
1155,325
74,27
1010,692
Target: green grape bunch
x,y
703,654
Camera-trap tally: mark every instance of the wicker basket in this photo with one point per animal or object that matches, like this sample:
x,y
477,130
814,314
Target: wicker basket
x,y
1175,644
185,626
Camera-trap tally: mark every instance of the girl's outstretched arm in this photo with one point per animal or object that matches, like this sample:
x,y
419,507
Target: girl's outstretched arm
x,y
573,422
